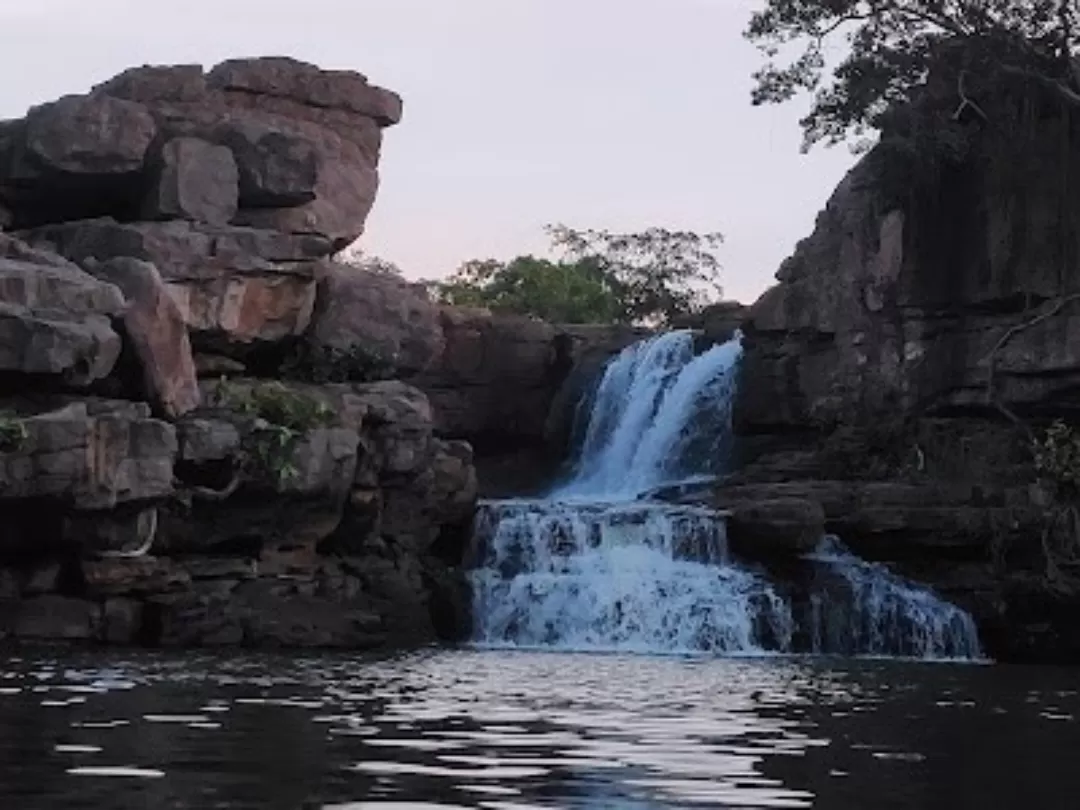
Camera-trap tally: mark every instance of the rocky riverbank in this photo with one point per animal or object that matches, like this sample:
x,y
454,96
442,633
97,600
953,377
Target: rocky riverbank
x,y
211,432
901,377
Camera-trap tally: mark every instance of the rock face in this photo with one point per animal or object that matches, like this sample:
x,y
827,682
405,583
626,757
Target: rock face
x,y
173,222
930,313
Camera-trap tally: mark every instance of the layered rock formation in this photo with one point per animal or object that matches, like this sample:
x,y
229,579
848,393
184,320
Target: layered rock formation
x,y
170,244
915,345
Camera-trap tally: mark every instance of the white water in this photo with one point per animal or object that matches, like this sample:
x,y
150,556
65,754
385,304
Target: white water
x,y
863,608
657,412
631,576
597,566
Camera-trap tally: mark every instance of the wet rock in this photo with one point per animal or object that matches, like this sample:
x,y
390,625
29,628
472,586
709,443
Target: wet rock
x,y
154,326
771,528
196,180
56,618
122,621
136,575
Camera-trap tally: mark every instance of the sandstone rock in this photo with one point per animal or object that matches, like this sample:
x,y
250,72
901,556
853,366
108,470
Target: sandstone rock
x,y
196,180
139,575
154,325
376,315
234,286
55,320
494,382
90,456
87,135
763,529
306,83
110,533
49,618
277,169
155,83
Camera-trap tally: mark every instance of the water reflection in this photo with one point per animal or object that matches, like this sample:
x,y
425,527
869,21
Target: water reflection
x,y
445,729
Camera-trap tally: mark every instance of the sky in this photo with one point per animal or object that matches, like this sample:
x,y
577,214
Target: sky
x,y
617,114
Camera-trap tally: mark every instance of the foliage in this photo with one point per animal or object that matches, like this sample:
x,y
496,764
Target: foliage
x,y
13,432
355,257
1057,460
281,418
319,364
652,276
894,46
560,292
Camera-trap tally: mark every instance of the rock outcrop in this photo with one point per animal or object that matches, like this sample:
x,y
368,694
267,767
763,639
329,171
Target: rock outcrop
x,y
915,345
174,223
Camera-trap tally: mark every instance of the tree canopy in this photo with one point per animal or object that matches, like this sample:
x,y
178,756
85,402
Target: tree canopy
x,y
597,277
893,46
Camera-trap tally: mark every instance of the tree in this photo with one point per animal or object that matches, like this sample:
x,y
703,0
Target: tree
x,y
658,274
894,46
560,292
598,277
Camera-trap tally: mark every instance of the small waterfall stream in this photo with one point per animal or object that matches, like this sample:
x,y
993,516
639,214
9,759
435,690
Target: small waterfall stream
x,y
596,565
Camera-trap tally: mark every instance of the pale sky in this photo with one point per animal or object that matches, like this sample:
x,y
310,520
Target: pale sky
x,y
619,114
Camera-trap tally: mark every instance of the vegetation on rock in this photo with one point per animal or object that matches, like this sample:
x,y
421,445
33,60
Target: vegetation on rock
x,y
894,46
281,417
13,433
653,276
320,364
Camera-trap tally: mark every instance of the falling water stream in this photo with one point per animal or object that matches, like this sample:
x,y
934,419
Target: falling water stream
x,y
597,565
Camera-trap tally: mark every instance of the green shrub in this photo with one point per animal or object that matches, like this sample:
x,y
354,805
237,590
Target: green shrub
x,y
281,418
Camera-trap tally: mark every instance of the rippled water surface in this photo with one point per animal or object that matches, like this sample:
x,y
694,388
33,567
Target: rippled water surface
x,y
510,731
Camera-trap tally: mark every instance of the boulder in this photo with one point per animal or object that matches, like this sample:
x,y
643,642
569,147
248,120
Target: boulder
x,y
235,287
154,326
86,135
195,180
364,314
309,85
55,320
277,169
89,455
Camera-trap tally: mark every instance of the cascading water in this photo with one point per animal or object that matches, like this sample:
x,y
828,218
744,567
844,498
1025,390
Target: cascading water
x,y
862,608
628,576
659,415
597,565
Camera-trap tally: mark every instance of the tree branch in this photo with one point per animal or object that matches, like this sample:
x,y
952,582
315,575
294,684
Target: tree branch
x,y
1010,333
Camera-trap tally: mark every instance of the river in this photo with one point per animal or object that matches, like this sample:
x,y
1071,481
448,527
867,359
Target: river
x,y
510,730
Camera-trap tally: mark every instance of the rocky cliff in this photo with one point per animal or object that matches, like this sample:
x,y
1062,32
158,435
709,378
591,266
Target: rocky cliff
x,y
195,447
915,348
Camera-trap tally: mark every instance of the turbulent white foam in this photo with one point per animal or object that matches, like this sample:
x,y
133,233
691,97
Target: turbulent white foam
x,y
639,577
598,566
863,608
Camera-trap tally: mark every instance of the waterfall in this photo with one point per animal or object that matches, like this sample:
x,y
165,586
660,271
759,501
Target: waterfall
x,y
629,576
863,608
659,415
597,565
